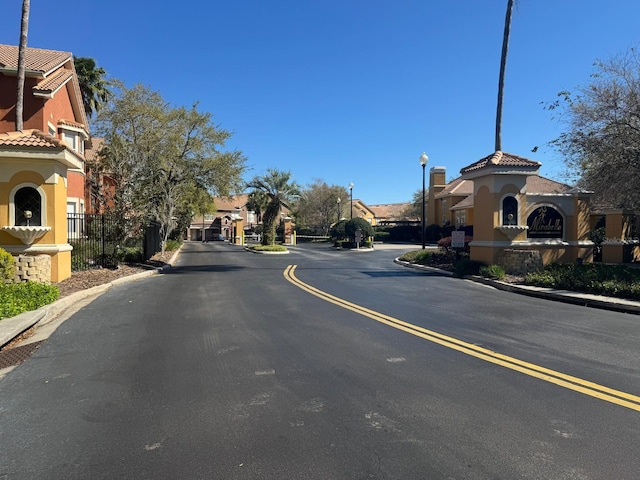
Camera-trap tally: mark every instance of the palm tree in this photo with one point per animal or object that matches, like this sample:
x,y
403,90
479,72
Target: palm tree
x,y
257,202
22,51
503,67
93,87
280,192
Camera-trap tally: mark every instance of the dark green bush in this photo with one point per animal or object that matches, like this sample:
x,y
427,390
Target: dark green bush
x,y
380,236
355,224
16,298
430,258
131,255
495,272
611,280
466,266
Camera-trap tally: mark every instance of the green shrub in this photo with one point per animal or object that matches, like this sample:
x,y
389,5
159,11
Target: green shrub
x,y
130,255
269,248
613,280
7,266
16,298
380,236
430,258
466,266
495,272
172,245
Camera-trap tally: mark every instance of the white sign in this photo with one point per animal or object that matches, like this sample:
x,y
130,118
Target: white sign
x,y
457,239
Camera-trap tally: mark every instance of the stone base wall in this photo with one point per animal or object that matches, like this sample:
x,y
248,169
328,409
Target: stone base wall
x,y
520,262
30,268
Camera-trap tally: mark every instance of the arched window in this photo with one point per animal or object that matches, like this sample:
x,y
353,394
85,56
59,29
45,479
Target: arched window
x,y
28,204
510,211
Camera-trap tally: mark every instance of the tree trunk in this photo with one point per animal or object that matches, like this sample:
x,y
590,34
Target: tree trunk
x,y
269,224
22,50
503,67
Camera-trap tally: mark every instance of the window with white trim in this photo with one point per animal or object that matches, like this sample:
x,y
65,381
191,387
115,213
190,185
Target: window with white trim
x,y
509,211
28,207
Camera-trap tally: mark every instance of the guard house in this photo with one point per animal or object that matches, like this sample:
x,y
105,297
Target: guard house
x,y
521,218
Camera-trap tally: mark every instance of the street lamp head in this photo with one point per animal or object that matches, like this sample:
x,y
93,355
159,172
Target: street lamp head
x,y
424,159
338,200
351,186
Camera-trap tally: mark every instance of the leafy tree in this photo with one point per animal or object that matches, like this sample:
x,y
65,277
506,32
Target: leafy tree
x,y
280,192
93,86
22,51
319,208
338,231
414,210
601,145
358,224
162,160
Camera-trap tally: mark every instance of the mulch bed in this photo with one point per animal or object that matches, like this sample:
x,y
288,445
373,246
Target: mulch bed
x,y
83,280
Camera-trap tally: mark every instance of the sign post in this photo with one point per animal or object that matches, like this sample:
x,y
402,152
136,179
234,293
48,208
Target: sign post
x,y
457,241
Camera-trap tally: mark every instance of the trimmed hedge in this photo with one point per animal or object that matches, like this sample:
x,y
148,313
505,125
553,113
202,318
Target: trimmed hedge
x,y
611,280
16,298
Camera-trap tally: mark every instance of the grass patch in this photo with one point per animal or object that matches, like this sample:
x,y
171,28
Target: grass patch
x,y
494,272
16,298
268,248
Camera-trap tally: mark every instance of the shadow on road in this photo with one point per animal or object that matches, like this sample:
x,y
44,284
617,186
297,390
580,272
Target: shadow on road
x,y
203,268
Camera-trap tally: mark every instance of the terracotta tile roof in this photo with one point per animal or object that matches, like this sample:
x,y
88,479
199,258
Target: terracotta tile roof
x,y
92,153
70,123
457,187
57,68
390,211
502,159
54,81
230,204
36,60
540,185
536,185
463,204
30,138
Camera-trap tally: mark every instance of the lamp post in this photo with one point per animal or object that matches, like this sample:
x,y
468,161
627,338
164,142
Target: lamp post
x,y
423,161
339,210
351,198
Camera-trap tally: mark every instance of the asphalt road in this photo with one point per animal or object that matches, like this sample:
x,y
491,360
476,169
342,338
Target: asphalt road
x,y
323,364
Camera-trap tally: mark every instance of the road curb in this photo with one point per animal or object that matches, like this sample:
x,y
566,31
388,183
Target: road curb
x,y
11,327
565,296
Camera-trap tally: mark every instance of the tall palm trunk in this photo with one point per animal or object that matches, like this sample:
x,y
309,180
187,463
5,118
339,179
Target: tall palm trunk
x,y
22,50
503,67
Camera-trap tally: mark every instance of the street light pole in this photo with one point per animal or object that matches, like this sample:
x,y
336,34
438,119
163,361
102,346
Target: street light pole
x,y
351,197
339,210
423,161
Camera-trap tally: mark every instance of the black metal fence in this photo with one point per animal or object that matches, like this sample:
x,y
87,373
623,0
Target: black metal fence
x,y
98,240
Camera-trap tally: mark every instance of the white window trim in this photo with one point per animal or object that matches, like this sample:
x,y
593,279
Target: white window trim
x,y
43,203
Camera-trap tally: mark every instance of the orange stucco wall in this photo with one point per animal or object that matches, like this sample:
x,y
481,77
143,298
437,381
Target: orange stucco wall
x,y
75,185
58,108
32,112
37,111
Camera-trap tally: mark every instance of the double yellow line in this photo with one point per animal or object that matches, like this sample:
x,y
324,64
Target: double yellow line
x,y
585,387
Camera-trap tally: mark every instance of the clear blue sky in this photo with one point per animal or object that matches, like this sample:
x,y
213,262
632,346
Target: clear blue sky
x,y
349,90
